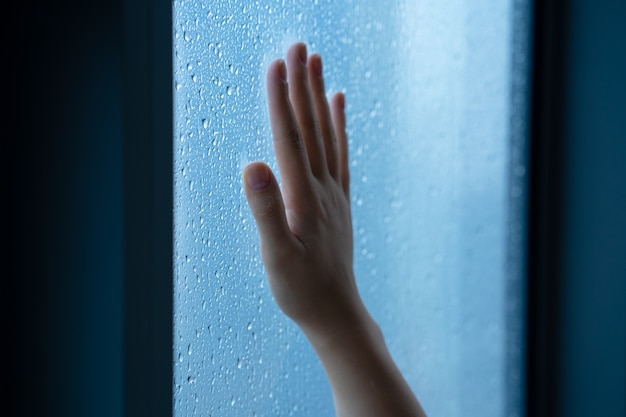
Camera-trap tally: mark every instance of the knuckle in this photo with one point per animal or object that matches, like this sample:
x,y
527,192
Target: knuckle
x,y
268,208
294,138
317,129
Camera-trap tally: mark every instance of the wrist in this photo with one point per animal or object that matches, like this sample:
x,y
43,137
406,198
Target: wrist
x,y
352,329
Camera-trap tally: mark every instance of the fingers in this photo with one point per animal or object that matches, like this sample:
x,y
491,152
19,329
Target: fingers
x,y
304,109
309,137
291,154
316,81
338,114
266,204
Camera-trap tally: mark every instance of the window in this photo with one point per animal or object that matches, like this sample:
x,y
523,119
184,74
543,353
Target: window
x,y
436,185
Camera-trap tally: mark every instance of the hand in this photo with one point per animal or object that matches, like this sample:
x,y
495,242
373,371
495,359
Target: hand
x,y
305,227
306,240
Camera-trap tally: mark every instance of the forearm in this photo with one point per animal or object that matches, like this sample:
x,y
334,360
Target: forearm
x,y
364,378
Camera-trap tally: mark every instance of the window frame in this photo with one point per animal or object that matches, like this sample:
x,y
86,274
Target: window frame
x,y
544,208
148,208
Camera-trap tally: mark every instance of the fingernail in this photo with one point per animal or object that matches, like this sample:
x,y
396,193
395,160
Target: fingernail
x,y
302,54
257,178
316,65
341,98
282,70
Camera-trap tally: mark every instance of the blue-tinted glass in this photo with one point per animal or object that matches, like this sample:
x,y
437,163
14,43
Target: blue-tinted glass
x,y
428,88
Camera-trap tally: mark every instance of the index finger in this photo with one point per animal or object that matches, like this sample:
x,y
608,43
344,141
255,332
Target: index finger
x,y
289,146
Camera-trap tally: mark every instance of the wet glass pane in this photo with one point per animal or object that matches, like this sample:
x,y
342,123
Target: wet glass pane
x,y
428,90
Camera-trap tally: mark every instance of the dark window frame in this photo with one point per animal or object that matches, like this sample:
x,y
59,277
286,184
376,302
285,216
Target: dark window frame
x,y
148,209
575,280
544,207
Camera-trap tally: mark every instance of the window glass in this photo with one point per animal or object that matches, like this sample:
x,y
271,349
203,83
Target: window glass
x,y
427,88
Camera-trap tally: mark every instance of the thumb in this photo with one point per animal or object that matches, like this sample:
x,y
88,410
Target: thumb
x,y
266,203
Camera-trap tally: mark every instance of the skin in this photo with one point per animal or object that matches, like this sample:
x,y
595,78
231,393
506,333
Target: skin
x,y
305,228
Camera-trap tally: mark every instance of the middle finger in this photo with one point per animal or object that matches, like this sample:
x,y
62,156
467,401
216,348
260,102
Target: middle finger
x,y
300,96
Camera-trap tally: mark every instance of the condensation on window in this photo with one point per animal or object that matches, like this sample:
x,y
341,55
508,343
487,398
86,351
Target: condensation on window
x,y
428,88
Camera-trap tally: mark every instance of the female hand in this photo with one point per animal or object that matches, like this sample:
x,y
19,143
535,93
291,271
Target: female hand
x,y
305,226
